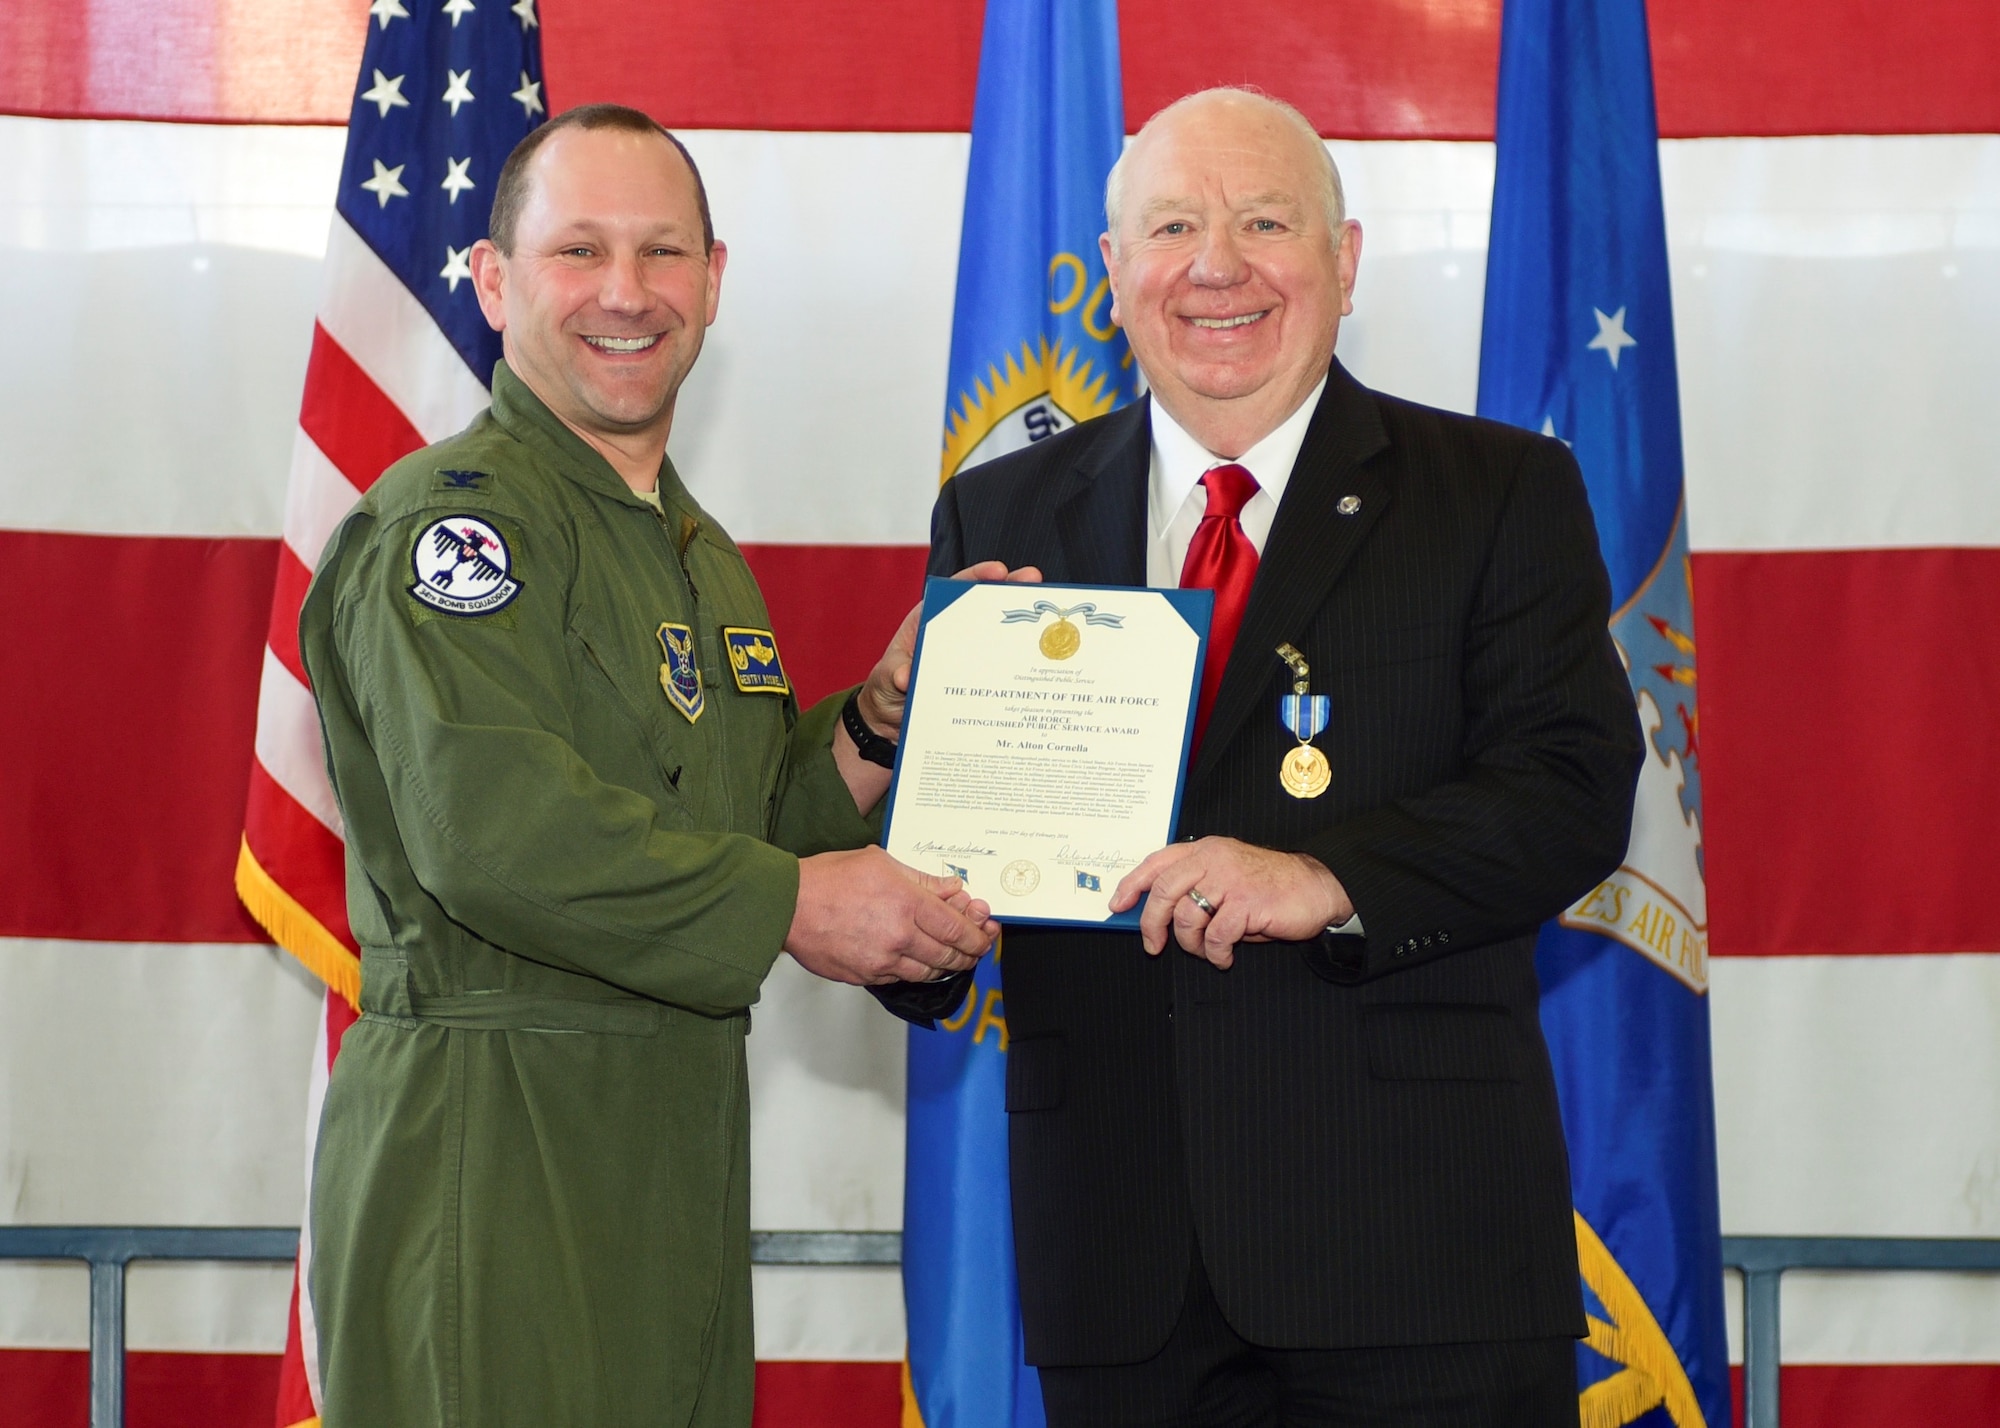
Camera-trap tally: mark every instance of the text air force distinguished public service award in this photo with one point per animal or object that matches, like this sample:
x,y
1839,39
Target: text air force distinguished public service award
x,y
1046,741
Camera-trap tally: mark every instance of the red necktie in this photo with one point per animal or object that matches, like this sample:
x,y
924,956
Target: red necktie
x,y
1221,558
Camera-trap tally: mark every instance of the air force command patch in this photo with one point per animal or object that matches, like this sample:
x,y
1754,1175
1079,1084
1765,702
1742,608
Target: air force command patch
x,y
462,567
679,676
753,659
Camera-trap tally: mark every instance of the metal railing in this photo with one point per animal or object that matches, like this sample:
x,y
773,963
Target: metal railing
x,y
108,1249
1762,1259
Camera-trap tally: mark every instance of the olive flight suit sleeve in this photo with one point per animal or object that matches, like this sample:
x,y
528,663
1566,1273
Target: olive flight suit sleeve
x,y
501,821
816,812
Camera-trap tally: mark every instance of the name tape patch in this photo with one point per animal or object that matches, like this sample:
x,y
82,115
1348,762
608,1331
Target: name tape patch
x,y
753,660
463,567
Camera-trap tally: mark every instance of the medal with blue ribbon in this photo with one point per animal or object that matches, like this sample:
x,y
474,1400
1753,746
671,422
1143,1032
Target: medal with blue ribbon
x,y
1304,772
1061,640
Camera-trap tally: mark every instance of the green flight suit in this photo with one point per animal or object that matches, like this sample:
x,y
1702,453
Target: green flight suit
x,y
530,1203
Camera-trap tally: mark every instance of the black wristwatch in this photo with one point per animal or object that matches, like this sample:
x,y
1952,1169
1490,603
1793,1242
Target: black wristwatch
x,y
867,743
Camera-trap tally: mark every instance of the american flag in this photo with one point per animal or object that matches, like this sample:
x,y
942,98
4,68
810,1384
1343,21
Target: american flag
x,y
400,357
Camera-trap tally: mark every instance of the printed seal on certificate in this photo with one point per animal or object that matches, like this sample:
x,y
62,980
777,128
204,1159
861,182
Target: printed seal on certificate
x,y
1020,877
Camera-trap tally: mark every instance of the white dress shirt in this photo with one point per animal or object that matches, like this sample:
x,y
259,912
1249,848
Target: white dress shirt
x,y
1176,499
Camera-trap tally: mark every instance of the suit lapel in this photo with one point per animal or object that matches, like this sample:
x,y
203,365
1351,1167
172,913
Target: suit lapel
x,y
1101,510
1311,542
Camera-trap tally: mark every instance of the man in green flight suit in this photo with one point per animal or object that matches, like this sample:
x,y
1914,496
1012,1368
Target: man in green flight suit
x,y
584,816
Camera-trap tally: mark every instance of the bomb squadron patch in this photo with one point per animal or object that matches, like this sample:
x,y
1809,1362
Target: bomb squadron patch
x,y
462,567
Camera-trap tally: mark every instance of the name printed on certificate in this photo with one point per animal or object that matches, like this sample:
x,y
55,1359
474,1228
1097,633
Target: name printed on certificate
x,y
1046,740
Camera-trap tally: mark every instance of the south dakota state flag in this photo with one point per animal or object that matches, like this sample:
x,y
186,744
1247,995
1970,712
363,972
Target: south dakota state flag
x,y
1578,344
1033,351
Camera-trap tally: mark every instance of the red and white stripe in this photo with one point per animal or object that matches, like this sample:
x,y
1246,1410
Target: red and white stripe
x,y
1833,196
381,380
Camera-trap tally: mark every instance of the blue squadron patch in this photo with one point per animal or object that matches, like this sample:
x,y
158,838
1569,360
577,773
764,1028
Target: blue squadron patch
x,y
753,659
678,676
462,567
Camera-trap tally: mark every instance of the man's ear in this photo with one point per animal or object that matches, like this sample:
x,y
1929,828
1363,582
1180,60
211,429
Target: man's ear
x,y
1110,255
489,283
718,259
1349,260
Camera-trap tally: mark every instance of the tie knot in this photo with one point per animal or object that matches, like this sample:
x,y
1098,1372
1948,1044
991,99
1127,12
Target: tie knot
x,y
1229,490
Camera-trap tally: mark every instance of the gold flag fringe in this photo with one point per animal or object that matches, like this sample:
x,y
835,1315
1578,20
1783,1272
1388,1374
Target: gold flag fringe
x,y
1651,1372
913,1416
299,933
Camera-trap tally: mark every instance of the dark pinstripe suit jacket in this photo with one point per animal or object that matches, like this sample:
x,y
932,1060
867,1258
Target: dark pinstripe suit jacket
x,y
1362,1137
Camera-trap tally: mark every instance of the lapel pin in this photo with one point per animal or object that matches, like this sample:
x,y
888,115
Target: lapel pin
x,y
1348,505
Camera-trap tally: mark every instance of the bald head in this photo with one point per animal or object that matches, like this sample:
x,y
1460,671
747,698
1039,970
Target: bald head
x,y
1231,263
1191,112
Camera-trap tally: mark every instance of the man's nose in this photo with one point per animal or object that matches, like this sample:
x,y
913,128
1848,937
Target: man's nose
x,y
623,289
1218,263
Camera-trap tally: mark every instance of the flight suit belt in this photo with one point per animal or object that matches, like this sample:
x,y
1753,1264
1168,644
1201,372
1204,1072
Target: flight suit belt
x,y
392,999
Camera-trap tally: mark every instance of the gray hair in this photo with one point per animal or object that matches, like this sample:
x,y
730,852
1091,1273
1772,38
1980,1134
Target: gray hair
x,y
1334,196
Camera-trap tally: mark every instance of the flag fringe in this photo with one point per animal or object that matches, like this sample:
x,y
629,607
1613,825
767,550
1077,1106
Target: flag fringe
x,y
312,1422
299,933
1652,1373
913,1414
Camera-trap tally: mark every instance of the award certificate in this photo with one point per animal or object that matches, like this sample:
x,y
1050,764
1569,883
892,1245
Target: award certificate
x,y
1046,741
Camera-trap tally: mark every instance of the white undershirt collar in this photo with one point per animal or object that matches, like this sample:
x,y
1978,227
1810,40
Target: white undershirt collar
x,y
1175,499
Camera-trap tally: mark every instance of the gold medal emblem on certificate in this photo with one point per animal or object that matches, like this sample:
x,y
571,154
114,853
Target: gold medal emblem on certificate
x,y
1304,773
1020,877
1062,639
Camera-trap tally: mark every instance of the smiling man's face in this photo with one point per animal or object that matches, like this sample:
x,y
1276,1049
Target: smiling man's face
x,y
1228,278
604,299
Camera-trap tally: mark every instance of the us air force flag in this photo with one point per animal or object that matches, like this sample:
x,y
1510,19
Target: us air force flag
x,y
1578,344
1032,351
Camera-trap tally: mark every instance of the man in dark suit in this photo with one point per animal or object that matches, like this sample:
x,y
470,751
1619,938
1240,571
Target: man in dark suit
x,y
1312,1172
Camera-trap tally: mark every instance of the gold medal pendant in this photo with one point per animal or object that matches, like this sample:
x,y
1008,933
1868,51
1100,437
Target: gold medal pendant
x,y
1304,773
1060,640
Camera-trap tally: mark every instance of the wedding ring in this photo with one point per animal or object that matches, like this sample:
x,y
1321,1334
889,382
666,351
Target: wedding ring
x,y
1194,896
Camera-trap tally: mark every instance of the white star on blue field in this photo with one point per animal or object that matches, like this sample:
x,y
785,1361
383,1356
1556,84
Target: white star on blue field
x,y
1611,336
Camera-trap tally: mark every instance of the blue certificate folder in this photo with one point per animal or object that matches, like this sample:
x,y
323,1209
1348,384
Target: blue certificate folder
x,y
1195,607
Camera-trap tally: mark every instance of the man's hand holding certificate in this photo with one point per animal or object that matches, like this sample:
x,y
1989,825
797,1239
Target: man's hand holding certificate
x,y
1045,741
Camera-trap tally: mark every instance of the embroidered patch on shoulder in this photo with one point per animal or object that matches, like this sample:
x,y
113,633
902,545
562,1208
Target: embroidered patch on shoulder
x,y
463,567
463,480
679,676
753,659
